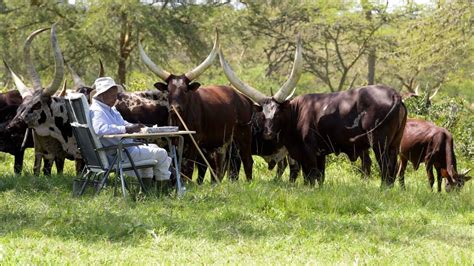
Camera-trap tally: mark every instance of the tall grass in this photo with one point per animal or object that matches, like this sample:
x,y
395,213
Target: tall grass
x,y
267,221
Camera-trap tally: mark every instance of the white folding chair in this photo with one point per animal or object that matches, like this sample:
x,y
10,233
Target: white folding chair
x,y
97,167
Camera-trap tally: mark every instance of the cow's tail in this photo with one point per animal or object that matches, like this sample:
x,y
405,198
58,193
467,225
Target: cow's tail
x,y
397,103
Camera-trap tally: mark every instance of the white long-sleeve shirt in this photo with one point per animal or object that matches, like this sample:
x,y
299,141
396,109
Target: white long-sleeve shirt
x,y
107,120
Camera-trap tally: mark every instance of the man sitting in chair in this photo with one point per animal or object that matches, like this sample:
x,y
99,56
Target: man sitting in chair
x,y
107,120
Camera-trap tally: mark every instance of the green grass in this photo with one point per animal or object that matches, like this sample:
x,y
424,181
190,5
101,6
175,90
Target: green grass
x,y
348,221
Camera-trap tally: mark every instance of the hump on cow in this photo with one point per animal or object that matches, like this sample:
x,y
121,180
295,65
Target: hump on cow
x,y
312,126
44,112
217,113
425,142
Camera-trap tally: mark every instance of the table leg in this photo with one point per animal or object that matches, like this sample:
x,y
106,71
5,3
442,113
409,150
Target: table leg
x,y
120,170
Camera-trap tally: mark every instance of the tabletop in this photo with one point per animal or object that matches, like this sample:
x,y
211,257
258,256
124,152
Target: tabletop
x,y
149,135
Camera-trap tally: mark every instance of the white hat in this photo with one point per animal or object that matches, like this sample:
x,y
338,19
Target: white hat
x,y
104,84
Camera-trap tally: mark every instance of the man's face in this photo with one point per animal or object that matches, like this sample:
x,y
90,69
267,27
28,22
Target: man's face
x,y
109,97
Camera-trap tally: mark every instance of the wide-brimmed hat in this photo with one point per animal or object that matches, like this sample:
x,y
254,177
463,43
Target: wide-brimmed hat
x,y
104,84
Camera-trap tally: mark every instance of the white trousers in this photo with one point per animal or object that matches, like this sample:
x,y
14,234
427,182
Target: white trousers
x,y
150,152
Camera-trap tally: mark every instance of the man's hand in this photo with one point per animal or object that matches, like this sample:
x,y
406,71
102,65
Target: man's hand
x,y
133,128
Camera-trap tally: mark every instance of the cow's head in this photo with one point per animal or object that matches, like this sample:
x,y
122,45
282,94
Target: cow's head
x,y
275,108
179,87
35,107
459,180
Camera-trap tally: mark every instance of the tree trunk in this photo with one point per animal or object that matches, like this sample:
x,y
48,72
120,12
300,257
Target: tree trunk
x,y
371,66
125,47
371,58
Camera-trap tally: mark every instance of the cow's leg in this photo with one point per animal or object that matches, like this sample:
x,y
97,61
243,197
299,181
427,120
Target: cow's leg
x,y
321,168
429,172
281,166
439,178
48,165
309,174
401,172
246,157
80,164
366,163
387,160
220,161
37,164
202,168
234,163
294,169
59,165
18,165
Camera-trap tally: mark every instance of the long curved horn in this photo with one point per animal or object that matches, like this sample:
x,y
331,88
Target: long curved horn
x,y
22,88
247,90
193,74
465,171
59,65
417,93
35,78
163,74
63,91
78,82
290,84
434,93
101,69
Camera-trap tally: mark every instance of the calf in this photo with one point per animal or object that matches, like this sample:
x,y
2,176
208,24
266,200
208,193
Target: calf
x,y
425,142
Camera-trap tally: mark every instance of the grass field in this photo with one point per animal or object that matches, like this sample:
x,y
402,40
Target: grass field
x,y
349,221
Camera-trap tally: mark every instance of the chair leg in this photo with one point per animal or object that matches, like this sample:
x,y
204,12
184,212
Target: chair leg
x,y
83,188
106,175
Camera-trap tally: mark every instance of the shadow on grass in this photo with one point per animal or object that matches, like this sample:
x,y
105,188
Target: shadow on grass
x,y
228,212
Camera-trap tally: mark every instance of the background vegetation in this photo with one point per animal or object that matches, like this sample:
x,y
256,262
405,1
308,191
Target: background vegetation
x,y
346,44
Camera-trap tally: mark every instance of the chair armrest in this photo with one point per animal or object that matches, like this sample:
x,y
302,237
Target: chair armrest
x,y
114,147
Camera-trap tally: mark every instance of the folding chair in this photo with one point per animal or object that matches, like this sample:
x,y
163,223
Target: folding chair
x,y
94,153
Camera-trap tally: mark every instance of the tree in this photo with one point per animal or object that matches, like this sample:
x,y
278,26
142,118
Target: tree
x,y
432,43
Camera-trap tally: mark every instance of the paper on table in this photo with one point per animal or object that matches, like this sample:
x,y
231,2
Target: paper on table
x,y
157,129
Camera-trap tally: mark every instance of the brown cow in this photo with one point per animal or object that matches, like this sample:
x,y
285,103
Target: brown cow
x,y
312,126
218,114
424,142
13,140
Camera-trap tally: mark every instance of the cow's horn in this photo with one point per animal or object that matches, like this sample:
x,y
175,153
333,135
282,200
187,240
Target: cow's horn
x,y
417,93
290,84
58,65
250,92
466,171
35,78
78,82
193,74
63,91
163,74
434,94
22,88
101,69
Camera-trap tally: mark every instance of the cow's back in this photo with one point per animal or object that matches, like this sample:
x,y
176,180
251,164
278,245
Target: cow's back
x,y
423,140
341,120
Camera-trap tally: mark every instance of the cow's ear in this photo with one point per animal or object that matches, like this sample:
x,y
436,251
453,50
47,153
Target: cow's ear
x,y
161,86
194,86
257,108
